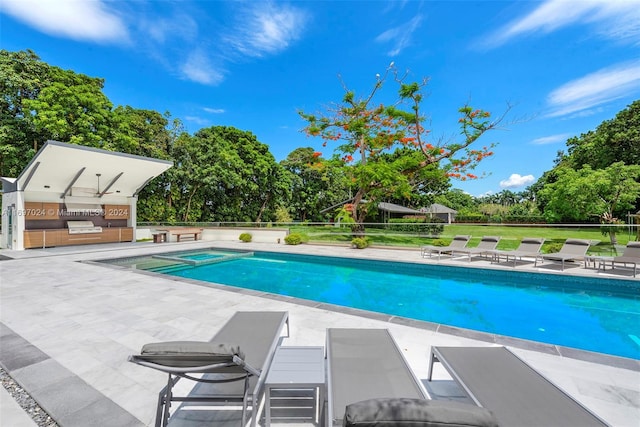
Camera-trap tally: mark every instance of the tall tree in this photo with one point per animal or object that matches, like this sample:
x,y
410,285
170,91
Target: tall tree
x,y
615,140
366,131
22,77
72,108
225,174
316,183
588,194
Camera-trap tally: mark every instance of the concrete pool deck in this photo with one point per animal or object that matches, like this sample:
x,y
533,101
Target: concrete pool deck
x,y
67,328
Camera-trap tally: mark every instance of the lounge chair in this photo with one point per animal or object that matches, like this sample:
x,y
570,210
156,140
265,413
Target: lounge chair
x,y
234,362
458,242
529,247
630,258
370,383
572,250
487,243
497,379
631,255
365,364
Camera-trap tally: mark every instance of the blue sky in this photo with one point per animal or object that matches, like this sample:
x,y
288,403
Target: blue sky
x,y
563,66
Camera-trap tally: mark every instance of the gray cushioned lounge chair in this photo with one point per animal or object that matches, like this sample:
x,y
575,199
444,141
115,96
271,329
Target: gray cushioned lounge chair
x,y
630,257
369,383
234,362
572,250
496,379
529,247
458,242
365,364
487,243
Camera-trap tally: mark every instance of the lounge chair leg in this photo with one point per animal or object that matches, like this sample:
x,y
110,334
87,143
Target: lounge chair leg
x,y
244,405
164,404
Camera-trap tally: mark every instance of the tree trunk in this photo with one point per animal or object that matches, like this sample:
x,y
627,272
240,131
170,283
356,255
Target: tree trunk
x,y
357,229
262,208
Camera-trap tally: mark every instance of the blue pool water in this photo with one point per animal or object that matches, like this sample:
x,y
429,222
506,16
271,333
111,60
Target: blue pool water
x,y
601,315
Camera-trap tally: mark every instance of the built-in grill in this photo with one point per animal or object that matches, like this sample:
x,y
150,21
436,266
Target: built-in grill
x,y
83,227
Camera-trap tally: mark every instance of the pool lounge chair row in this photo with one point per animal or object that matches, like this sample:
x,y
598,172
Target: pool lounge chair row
x,y
530,247
368,379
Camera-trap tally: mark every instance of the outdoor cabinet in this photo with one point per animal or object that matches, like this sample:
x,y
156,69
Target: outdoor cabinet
x,y
41,210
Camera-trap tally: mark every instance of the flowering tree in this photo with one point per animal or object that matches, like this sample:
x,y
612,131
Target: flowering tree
x,y
367,132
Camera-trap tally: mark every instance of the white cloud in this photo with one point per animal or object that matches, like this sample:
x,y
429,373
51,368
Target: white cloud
x,y
214,110
400,36
516,180
551,139
198,68
612,19
197,120
267,28
595,89
73,19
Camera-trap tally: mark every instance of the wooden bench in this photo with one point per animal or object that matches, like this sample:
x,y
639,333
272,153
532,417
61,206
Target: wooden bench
x,y
179,232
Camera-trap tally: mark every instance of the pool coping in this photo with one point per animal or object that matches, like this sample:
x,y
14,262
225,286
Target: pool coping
x,y
552,349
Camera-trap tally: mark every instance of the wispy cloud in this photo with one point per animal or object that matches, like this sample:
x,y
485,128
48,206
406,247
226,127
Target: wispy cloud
x,y
400,37
595,89
612,19
198,68
214,110
517,180
197,120
552,139
77,20
267,28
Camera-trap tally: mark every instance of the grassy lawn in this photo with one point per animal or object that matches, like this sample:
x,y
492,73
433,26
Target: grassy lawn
x,y
511,236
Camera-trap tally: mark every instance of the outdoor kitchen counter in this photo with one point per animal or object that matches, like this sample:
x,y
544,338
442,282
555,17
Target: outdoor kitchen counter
x,y
61,237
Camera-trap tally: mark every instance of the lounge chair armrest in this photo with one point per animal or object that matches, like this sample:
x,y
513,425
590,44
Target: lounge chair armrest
x,y
182,370
246,366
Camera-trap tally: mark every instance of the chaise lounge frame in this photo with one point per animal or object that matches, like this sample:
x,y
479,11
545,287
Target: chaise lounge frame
x,y
365,364
497,379
572,250
529,247
459,242
486,245
257,334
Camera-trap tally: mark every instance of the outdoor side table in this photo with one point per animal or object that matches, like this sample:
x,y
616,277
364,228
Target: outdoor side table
x,y
294,388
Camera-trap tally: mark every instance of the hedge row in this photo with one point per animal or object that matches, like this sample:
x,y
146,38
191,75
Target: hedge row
x,y
431,226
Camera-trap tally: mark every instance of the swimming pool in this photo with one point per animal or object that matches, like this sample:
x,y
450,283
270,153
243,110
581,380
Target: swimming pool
x,y
595,314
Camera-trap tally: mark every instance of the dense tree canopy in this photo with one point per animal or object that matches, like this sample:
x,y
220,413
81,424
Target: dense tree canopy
x,y
368,132
380,153
597,180
615,140
316,184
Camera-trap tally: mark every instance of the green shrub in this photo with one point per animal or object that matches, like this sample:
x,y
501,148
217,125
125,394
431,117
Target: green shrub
x,y
440,242
245,237
431,226
293,239
472,218
360,242
553,247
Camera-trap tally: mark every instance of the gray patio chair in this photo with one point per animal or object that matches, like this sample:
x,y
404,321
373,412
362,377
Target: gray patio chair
x,y
572,250
370,383
497,379
458,242
529,247
234,363
630,256
487,243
